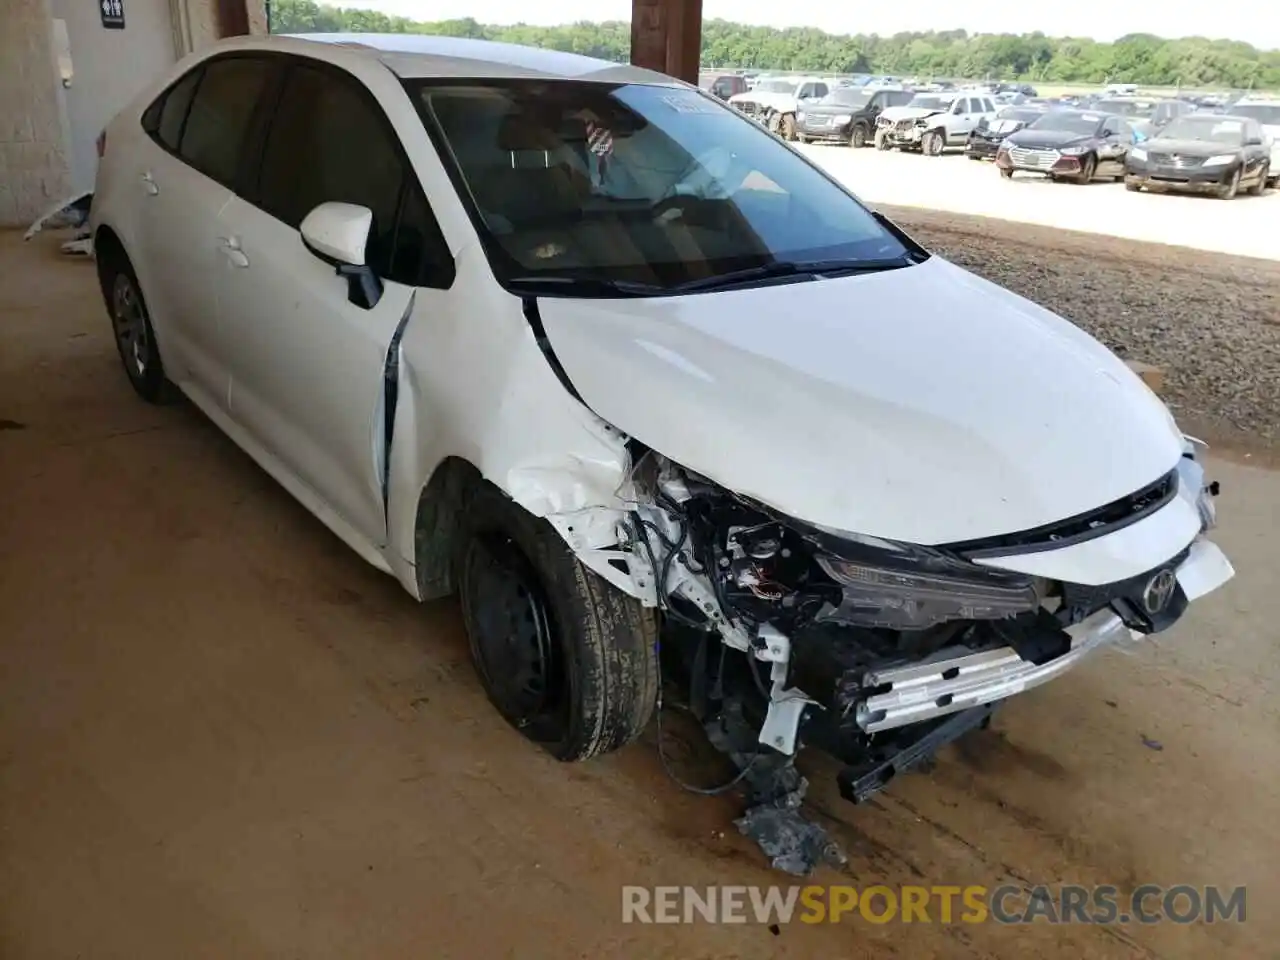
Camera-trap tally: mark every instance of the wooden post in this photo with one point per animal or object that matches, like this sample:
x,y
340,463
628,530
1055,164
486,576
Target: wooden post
x,y
666,35
233,18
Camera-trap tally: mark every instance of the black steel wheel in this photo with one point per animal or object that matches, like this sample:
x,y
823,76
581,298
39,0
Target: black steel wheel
x,y
858,138
513,638
567,658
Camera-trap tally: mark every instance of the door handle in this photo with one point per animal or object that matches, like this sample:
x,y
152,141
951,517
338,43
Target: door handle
x,y
230,248
149,184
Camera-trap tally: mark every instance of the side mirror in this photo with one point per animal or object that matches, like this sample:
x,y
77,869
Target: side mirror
x,y
338,234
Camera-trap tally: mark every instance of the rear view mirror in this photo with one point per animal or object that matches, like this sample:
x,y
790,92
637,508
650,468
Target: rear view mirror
x,y
338,234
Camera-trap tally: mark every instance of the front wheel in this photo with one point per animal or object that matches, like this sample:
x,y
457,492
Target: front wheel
x,y
858,138
881,141
568,659
1228,190
1132,184
1260,187
1006,172
788,127
931,144
1088,167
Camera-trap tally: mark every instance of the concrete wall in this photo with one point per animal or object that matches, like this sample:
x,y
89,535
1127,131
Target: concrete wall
x,y
34,166
47,134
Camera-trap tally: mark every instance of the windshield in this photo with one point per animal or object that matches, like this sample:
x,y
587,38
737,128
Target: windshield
x,y
777,86
644,184
856,99
1265,113
1127,108
1063,122
931,101
1210,128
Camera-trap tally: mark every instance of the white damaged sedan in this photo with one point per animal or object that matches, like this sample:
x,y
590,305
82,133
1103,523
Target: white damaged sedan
x,y
613,363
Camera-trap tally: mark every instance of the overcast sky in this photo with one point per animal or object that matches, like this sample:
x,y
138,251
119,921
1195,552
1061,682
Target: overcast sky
x,y
1167,18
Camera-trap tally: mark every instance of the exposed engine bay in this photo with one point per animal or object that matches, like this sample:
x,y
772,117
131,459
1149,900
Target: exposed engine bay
x,y
877,652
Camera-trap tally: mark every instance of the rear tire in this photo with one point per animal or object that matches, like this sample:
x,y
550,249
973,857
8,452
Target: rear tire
x,y
566,658
858,138
131,324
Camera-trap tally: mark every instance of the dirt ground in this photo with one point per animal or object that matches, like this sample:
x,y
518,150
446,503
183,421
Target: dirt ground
x,y
222,735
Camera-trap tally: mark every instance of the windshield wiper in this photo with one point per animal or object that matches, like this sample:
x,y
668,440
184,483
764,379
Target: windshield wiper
x,y
589,286
806,269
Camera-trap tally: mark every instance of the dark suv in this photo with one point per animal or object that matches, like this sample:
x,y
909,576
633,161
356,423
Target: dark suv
x,y
847,114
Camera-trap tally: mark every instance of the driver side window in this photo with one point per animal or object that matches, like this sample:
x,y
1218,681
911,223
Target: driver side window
x,y
328,142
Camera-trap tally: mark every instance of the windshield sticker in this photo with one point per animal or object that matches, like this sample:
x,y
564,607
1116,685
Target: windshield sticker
x,y
690,104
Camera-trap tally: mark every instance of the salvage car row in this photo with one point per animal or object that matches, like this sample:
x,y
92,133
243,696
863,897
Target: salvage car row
x,y
1153,144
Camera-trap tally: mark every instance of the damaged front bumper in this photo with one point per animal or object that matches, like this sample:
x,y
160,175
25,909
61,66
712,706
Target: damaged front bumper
x,y
949,681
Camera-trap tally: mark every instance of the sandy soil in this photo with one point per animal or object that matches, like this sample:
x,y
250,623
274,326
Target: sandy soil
x,y
222,735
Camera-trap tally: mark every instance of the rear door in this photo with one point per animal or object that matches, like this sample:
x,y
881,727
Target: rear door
x,y
308,365
198,134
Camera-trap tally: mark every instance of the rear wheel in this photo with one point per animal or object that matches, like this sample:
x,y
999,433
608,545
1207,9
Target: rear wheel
x,y
931,144
131,323
568,659
1260,187
1088,167
858,138
1228,190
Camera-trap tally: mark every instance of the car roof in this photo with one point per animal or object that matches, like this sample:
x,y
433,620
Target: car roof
x,y
413,56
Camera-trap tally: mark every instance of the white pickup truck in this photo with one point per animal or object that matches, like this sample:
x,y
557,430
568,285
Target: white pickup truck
x,y
933,122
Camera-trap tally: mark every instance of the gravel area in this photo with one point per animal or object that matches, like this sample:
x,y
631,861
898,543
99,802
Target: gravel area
x,y
1212,321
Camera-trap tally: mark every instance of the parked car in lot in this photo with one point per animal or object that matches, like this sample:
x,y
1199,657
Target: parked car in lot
x,y
775,101
724,85
933,122
1075,145
547,339
1267,113
1147,115
1204,153
985,139
847,114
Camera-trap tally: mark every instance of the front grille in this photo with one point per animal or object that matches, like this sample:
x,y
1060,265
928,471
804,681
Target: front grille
x,y
1034,159
747,107
1174,160
905,126
884,123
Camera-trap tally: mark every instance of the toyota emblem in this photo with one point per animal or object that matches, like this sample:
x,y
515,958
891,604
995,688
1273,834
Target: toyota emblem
x,y
1159,591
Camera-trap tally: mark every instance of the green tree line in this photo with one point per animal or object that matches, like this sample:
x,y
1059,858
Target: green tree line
x,y
1138,58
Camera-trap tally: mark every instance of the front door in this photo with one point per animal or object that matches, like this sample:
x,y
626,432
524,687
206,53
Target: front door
x,y
307,364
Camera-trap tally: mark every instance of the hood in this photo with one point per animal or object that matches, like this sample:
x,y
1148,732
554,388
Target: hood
x,y
998,129
1188,148
777,101
908,113
922,404
1043,137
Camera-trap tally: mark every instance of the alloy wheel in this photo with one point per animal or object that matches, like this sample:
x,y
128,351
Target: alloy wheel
x,y
130,322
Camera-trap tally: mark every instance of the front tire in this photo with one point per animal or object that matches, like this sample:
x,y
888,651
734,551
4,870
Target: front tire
x,y
131,324
858,138
1132,184
788,127
1087,169
1006,172
932,143
881,140
1228,190
1260,187
568,659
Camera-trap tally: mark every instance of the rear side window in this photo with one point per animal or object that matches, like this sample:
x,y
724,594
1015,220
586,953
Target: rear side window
x,y
218,121
173,114
329,142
